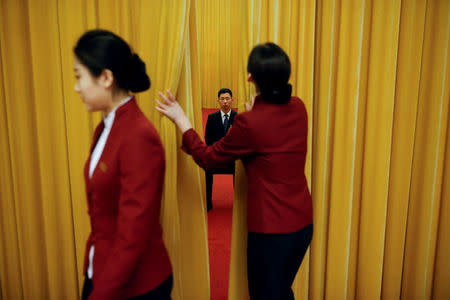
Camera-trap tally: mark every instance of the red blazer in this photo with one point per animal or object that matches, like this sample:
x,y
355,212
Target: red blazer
x,y
271,140
124,201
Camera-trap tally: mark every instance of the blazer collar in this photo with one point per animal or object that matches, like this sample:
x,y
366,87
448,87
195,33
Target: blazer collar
x,y
108,120
129,105
121,110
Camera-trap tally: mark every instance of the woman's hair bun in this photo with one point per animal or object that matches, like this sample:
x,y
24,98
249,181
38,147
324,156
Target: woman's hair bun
x,y
138,79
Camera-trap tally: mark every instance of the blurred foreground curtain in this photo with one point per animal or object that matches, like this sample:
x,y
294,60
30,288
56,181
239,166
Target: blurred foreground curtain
x,y
374,76
46,134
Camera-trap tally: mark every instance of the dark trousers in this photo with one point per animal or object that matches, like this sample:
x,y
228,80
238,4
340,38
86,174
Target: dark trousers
x,y
273,261
209,182
161,292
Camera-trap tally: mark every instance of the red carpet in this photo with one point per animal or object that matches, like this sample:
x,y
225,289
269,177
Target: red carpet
x,y
219,230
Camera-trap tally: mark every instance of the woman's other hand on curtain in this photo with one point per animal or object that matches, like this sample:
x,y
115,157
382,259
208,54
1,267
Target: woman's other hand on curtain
x,y
249,105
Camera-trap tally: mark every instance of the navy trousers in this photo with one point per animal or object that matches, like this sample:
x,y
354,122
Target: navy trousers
x,y
162,292
273,261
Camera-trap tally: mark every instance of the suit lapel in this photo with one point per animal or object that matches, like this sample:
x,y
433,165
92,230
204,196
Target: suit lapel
x,y
219,119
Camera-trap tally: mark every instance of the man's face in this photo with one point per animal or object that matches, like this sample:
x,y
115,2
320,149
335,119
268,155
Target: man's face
x,y
225,102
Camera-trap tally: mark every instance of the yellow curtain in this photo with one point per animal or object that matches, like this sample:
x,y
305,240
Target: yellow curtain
x,y
375,78
164,30
372,106
218,43
46,134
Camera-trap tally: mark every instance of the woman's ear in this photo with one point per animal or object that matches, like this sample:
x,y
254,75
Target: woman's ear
x,y
106,78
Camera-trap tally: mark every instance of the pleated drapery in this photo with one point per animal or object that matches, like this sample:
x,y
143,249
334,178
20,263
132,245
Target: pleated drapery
x,y
44,221
374,76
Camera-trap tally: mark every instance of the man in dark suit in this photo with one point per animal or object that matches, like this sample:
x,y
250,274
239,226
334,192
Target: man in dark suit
x,y
217,127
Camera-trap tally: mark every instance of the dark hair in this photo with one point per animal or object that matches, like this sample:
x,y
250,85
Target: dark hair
x,y
270,68
101,49
224,91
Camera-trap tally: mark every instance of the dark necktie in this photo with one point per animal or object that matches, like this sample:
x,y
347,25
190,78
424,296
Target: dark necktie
x,y
225,123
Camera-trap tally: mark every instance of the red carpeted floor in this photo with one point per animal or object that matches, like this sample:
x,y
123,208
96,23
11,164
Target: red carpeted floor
x,y
219,230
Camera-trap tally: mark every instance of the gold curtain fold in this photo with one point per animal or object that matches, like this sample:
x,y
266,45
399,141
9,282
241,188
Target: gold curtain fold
x,y
218,43
167,25
38,161
373,74
366,120
194,257
426,199
46,134
11,278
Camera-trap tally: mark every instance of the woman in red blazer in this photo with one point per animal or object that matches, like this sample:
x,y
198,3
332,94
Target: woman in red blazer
x,y
125,254
271,140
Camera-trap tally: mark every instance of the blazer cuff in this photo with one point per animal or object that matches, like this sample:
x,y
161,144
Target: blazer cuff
x,y
188,138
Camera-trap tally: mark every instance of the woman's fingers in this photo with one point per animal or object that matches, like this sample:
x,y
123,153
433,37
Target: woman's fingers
x,y
169,99
161,110
249,106
171,96
162,105
163,97
168,106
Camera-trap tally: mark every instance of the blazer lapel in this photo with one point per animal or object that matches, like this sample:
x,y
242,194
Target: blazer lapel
x,y
130,105
98,131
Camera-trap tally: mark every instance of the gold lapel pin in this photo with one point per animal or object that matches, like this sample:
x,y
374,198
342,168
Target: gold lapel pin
x,y
102,166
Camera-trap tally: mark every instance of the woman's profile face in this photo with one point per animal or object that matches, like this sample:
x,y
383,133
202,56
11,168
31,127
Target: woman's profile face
x,y
95,96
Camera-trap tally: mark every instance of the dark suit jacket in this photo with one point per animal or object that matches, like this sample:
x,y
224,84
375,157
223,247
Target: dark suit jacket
x,y
271,140
214,130
124,201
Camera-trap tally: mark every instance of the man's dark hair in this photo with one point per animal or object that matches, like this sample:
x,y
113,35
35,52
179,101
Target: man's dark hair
x,y
224,91
101,49
270,68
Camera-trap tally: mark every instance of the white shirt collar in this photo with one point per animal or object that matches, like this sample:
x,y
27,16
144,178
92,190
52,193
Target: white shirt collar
x,y
222,114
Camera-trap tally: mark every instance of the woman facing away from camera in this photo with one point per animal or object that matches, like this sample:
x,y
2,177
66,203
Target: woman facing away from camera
x,y
271,139
124,174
